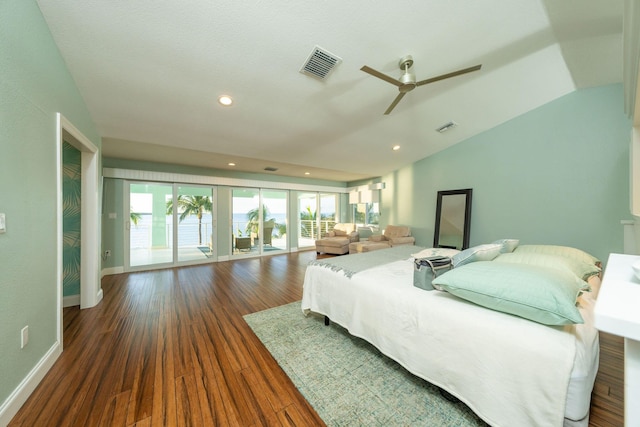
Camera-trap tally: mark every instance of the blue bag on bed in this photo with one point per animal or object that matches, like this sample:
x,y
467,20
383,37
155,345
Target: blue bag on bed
x,y
427,269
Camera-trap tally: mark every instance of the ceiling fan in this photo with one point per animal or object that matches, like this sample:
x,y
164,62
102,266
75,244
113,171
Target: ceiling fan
x,y
407,81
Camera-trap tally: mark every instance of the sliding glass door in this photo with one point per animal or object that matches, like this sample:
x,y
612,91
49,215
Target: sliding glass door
x,y
328,205
317,213
169,224
150,236
274,220
245,209
259,221
307,225
195,223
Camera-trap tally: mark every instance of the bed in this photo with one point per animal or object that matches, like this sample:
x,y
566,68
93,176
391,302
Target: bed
x,y
509,370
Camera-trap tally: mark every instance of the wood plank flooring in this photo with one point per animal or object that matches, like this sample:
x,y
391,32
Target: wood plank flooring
x,y
170,347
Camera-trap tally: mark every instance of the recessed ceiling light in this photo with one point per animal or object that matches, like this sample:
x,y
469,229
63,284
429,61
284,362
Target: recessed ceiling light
x,y
307,173
231,164
225,100
395,148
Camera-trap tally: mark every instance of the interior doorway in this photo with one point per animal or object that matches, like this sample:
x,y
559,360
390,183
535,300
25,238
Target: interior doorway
x,y
90,291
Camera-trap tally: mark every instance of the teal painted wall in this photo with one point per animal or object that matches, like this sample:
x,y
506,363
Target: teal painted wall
x,y
34,85
113,228
556,175
71,224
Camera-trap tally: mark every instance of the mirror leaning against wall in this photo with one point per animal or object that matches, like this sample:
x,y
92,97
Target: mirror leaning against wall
x,y
453,219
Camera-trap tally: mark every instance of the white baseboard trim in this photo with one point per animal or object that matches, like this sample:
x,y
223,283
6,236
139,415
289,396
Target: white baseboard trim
x,y
223,258
112,270
71,300
16,399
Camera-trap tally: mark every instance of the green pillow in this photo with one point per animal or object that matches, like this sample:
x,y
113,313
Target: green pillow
x,y
565,251
581,269
544,295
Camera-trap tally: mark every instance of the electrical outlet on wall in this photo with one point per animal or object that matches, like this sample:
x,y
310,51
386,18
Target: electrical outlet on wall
x,y
3,226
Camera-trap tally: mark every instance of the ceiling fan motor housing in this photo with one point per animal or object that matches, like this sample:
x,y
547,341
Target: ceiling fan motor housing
x,y
408,82
408,79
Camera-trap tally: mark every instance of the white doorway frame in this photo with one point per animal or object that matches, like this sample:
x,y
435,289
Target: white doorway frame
x,y
90,290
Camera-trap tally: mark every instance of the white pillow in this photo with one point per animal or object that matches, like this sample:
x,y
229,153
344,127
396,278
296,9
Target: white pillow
x,y
565,251
477,253
581,269
508,245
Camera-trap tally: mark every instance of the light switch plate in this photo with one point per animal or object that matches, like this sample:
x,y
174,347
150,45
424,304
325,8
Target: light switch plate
x,y
3,227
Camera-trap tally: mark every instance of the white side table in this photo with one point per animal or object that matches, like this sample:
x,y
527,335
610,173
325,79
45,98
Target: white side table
x,y
617,312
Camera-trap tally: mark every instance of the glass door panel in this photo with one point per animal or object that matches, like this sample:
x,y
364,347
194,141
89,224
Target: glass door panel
x,y
195,223
245,208
327,213
307,227
274,220
150,229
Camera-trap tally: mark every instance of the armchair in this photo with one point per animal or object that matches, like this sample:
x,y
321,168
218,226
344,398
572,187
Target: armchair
x,y
267,231
395,235
337,241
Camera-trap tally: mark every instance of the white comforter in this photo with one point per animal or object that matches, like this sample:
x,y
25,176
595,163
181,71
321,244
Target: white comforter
x,y
510,371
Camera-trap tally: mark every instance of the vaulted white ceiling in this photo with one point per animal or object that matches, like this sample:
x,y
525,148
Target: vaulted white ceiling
x,y
150,73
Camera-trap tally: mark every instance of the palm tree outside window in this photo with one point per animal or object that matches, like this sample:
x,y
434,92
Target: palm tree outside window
x,y
191,205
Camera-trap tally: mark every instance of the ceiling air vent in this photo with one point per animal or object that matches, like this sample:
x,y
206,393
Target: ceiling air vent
x,y
445,127
270,169
320,63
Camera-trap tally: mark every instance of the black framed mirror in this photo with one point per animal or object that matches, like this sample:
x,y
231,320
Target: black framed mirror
x,y
453,219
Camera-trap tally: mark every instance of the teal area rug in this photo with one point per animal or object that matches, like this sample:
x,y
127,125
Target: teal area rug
x,y
347,380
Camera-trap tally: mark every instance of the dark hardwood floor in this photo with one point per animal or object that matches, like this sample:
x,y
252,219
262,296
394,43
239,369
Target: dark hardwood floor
x,y
170,347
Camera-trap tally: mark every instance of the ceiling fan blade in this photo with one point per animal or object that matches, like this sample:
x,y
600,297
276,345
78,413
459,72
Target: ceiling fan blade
x,y
380,75
395,102
449,75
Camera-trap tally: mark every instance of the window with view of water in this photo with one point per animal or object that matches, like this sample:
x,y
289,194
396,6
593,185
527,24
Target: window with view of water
x,y
317,216
259,222
195,222
169,223
150,234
